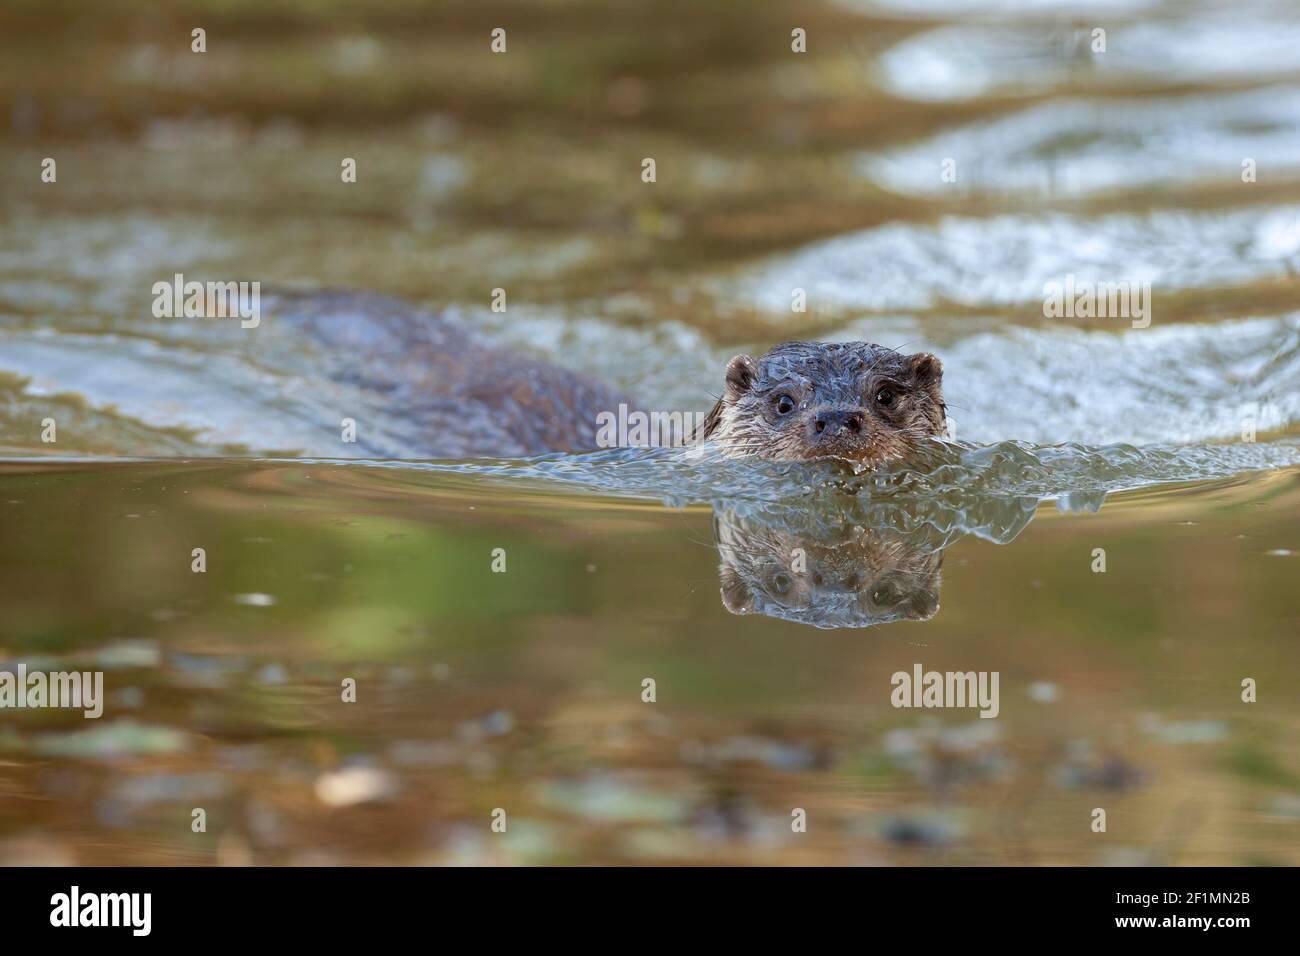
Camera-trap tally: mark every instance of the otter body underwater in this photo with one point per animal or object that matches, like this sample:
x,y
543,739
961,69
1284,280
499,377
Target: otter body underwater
x,y
443,390
455,395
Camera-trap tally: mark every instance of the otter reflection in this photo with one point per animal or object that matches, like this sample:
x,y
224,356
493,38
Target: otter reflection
x,y
850,564
861,577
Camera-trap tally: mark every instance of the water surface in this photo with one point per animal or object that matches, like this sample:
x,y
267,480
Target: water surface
x,y
1171,449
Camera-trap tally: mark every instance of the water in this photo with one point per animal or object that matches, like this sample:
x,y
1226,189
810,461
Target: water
x,y
1171,449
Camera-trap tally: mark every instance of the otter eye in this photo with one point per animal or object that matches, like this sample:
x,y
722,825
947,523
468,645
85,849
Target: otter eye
x,y
885,397
781,584
784,405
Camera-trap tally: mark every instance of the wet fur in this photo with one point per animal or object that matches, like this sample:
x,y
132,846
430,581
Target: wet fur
x,y
442,391
843,379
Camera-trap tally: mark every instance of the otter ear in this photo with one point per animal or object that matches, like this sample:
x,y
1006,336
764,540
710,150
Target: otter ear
x,y
736,596
741,372
926,367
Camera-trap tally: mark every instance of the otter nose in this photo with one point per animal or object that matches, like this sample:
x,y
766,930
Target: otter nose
x,y
830,422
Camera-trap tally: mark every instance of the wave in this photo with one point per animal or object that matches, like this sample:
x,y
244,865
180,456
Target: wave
x,y
1079,147
967,61
1164,384
953,481
1006,260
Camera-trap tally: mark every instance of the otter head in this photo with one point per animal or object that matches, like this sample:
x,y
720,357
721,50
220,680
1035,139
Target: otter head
x,y
808,400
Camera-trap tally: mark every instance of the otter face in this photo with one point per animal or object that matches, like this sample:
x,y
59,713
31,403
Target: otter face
x,y
808,400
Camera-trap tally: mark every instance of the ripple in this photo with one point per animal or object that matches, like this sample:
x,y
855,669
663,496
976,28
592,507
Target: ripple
x,y
1018,8
1007,259
1171,384
966,62
954,481
1076,147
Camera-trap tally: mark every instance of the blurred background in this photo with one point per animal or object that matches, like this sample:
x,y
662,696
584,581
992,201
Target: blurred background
x,y
775,170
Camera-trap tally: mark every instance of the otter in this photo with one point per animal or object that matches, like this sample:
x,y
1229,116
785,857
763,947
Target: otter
x,y
443,392
854,401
